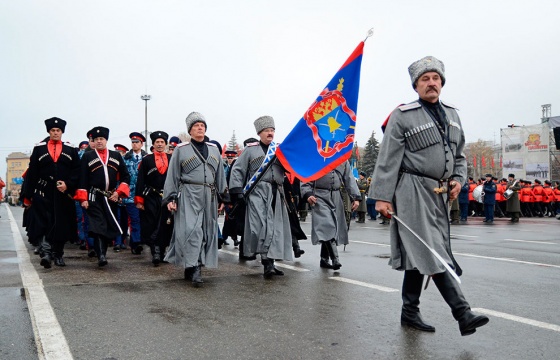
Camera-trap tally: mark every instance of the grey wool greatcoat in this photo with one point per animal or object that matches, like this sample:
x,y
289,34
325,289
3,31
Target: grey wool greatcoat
x,y
413,142
328,221
196,184
267,229
512,204
362,185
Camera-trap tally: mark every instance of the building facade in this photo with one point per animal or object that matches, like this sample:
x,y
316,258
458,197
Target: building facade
x,y
17,163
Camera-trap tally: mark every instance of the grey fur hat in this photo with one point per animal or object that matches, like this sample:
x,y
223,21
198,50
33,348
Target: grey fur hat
x,y
193,118
264,122
424,65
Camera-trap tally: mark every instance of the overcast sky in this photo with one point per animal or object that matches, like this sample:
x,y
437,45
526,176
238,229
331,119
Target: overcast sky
x,y
89,62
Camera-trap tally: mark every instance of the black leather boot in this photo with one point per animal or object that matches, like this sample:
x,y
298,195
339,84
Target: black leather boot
x,y
324,263
156,255
59,260
197,277
189,273
297,250
451,292
46,257
411,290
268,268
333,252
98,246
276,270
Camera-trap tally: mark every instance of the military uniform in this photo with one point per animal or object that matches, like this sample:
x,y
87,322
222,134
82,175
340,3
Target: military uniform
x,y
328,221
267,227
513,207
194,180
101,170
422,149
361,210
54,215
149,193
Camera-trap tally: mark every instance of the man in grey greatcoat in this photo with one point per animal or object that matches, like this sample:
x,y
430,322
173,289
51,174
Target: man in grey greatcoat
x,y
194,181
422,149
513,208
267,226
328,221
362,208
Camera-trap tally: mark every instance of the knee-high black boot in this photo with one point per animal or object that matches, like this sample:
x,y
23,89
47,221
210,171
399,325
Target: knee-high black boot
x,y
324,263
333,252
98,246
295,246
451,292
156,255
411,290
46,251
268,268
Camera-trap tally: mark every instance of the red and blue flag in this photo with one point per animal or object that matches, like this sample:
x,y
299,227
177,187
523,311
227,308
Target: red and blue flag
x,y
323,138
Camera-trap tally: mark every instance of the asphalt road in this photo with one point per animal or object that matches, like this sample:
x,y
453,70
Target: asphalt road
x,y
132,310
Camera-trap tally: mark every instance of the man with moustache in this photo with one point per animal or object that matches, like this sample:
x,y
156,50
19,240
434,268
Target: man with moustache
x,y
267,226
98,193
422,149
149,192
194,182
50,182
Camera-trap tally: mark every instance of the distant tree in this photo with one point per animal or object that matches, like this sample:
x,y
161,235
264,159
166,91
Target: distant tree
x,y
369,156
232,144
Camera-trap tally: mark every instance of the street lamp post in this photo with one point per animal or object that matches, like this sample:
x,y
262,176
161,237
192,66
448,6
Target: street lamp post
x,y
146,98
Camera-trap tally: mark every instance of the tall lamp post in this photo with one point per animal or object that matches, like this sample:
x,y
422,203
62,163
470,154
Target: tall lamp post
x,y
146,98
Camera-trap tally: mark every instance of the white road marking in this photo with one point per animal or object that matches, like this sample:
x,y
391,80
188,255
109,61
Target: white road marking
x,y
276,263
531,241
467,236
364,284
369,243
51,342
506,259
520,319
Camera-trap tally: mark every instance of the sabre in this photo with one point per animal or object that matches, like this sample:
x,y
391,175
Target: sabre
x,y
438,256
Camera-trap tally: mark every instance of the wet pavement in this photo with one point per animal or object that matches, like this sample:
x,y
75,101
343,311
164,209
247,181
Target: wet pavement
x,y
132,310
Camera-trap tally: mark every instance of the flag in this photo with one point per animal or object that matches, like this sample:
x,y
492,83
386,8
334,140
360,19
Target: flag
x,y
492,163
474,161
501,166
324,136
357,152
483,161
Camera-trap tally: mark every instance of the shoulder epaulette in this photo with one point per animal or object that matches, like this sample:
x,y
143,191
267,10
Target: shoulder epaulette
x,y
41,143
183,144
448,105
211,144
253,144
410,106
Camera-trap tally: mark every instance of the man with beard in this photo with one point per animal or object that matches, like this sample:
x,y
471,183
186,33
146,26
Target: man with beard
x,y
267,227
194,180
149,192
101,169
50,182
422,149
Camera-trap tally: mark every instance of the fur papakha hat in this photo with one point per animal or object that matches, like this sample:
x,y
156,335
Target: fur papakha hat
x,y
424,65
264,122
193,118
